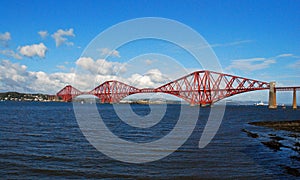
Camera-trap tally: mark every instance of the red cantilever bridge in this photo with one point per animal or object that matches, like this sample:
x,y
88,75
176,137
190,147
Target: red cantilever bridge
x,y
198,88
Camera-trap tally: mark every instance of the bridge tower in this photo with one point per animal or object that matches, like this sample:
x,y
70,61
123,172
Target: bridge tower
x,y
272,96
294,99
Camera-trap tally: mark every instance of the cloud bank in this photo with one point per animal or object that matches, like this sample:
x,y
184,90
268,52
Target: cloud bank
x,y
16,77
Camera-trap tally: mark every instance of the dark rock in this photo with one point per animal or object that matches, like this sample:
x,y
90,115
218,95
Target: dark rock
x,y
297,144
275,145
277,138
296,147
292,171
294,135
295,157
280,125
250,134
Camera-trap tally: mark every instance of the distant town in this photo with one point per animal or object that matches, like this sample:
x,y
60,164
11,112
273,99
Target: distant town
x,y
15,96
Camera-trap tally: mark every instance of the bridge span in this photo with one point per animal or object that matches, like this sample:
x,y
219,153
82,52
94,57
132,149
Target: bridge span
x,y
274,89
197,88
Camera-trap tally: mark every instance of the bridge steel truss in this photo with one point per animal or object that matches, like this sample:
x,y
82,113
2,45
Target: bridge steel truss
x,y
68,93
198,88
113,91
208,87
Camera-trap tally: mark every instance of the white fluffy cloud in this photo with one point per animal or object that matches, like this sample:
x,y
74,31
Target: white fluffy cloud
x,y
33,50
141,81
60,37
251,64
108,52
10,53
50,83
151,79
43,34
14,76
102,70
6,51
5,36
100,66
156,76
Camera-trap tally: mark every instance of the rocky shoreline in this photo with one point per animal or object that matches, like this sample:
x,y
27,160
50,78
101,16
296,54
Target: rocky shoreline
x,y
275,141
293,126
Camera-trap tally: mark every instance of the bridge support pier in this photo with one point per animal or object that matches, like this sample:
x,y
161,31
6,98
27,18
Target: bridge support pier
x,y
294,99
272,96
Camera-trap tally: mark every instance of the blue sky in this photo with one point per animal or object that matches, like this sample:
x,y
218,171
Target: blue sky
x,y
255,39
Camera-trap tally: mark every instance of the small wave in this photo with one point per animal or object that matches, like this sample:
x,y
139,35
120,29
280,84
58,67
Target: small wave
x,y
33,135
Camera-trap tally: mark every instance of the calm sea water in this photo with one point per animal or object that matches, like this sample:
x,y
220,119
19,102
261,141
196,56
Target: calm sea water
x,y
43,140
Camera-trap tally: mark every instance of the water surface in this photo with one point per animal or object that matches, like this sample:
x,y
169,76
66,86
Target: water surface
x,y
41,140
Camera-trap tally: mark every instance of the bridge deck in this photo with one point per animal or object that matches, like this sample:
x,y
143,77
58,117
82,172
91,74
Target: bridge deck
x,y
297,88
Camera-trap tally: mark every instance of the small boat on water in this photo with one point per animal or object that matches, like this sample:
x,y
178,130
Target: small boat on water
x,y
259,104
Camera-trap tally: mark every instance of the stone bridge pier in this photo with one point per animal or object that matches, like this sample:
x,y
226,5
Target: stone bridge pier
x,y
294,98
272,96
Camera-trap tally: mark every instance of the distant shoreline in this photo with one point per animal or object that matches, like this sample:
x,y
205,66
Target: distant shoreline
x,y
16,96
39,97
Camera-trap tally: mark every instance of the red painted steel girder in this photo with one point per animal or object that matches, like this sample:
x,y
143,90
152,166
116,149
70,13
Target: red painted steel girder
x,y
68,93
113,91
200,87
206,87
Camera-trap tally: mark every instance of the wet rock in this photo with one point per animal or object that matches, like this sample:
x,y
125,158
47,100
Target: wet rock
x,y
277,138
292,171
296,147
294,135
250,134
295,157
275,145
280,125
